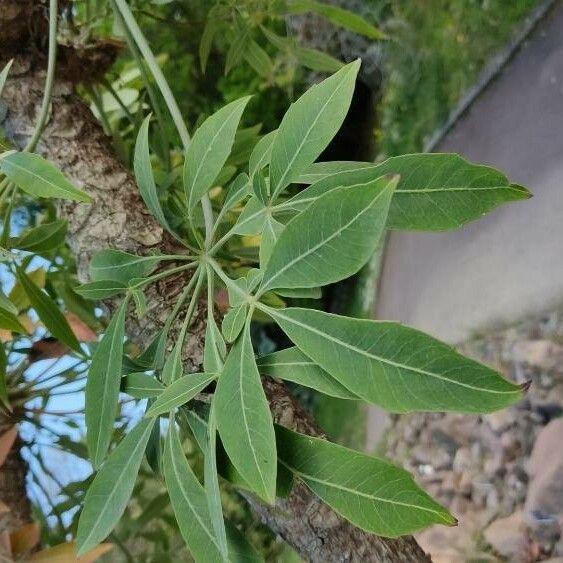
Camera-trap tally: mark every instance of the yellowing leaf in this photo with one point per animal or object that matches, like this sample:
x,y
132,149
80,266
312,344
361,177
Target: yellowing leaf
x,y
66,553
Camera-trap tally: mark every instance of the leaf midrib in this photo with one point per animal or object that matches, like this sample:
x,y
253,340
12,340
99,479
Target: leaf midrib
x,y
305,137
187,498
205,155
246,427
306,477
268,283
66,190
117,484
106,379
391,362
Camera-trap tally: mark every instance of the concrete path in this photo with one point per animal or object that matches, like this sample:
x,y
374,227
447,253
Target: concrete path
x,y
509,264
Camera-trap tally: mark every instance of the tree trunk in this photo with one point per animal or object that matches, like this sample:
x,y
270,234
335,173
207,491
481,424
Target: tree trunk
x,y
74,141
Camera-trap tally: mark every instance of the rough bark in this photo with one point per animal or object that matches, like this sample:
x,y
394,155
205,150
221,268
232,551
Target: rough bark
x,y
118,219
12,482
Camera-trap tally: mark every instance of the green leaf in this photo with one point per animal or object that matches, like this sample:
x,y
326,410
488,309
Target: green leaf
x,y
301,293
245,139
444,191
233,322
215,348
211,482
142,386
4,74
237,191
38,177
180,392
102,387
251,220
270,235
209,150
317,60
237,48
144,174
109,493
284,44
327,182
293,365
314,248
212,26
309,125
173,366
258,59
3,385
9,321
394,366
6,304
250,443
121,266
42,238
240,549
189,501
140,301
48,312
435,191
320,170
338,16
261,154
373,494
103,289
260,188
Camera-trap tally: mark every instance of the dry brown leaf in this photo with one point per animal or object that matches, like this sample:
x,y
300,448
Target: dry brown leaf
x,y
81,330
6,442
24,539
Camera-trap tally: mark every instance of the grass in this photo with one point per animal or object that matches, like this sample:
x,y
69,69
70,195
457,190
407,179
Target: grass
x,y
437,51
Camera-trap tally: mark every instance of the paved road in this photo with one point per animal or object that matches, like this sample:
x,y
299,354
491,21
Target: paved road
x,y
509,264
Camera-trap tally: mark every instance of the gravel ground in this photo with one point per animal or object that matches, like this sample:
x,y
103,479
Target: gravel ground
x,y
480,466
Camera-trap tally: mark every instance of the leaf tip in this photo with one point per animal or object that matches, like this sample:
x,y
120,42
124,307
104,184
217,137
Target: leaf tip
x,y
524,387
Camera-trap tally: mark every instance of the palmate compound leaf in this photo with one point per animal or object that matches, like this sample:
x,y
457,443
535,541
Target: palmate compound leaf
x,y
396,367
102,387
109,493
250,443
209,150
38,177
371,493
332,239
309,125
436,192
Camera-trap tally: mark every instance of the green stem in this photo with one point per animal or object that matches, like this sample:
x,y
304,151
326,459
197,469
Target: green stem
x,y
107,85
150,59
191,306
99,106
165,274
51,63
